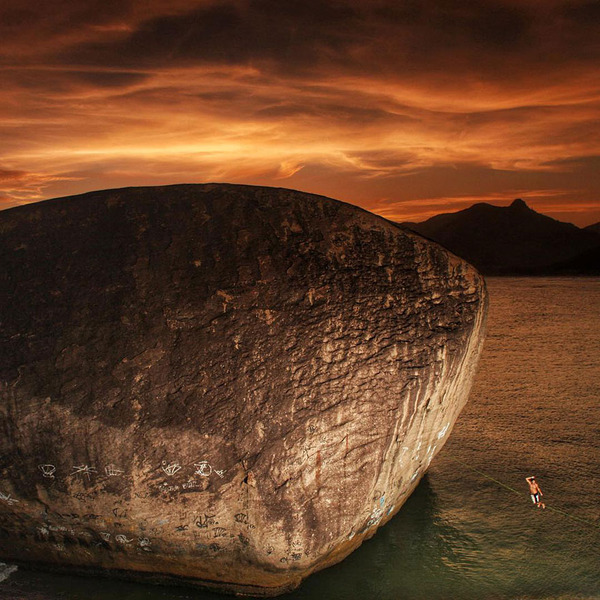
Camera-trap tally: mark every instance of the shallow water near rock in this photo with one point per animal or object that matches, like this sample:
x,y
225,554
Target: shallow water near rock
x,y
534,409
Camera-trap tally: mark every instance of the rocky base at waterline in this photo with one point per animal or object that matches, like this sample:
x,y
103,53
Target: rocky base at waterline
x,y
230,385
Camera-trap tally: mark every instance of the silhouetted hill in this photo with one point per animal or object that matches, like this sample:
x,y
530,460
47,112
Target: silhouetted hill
x,y
595,228
587,263
514,240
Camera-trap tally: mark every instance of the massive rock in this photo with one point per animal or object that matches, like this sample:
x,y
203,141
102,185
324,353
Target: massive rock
x,y
232,386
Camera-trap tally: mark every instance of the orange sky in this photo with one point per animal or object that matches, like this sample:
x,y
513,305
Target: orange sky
x,y
406,108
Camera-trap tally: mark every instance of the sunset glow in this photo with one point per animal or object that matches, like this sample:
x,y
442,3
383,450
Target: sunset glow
x,y
407,109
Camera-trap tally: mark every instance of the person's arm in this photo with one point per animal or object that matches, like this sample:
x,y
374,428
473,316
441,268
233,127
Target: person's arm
x,y
528,479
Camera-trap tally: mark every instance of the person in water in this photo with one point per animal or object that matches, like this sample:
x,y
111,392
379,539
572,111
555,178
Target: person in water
x,y
535,491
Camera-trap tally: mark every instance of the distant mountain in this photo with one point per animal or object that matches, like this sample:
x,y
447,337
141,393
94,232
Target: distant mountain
x,y
515,240
595,228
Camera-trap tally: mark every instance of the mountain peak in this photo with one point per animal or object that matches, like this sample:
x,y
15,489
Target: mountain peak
x,y
514,239
519,204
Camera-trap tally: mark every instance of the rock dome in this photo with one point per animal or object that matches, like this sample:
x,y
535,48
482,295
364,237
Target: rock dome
x,y
226,385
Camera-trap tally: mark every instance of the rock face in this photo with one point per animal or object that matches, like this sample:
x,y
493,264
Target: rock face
x,y
227,385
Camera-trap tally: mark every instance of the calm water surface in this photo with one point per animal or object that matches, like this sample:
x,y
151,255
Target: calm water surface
x,y
535,408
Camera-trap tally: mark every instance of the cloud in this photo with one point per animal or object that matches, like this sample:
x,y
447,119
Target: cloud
x,y
20,187
11,174
379,102
240,33
493,40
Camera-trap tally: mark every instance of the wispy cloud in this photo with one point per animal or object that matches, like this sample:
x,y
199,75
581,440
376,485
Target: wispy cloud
x,y
377,103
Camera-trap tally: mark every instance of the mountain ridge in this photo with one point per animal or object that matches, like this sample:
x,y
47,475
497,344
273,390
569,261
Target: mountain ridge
x,y
514,240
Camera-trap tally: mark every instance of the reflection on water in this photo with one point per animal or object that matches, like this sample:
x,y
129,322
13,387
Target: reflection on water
x,y
535,408
413,554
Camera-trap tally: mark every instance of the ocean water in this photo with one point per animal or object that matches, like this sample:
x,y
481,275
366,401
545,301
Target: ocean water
x,y
470,530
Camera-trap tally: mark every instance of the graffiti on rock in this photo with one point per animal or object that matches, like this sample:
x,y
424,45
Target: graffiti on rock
x,y
84,471
47,470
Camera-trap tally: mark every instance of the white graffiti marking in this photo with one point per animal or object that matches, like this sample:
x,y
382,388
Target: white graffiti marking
x,y
113,471
8,499
165,487
84,470
442,432
171,469
105,536
203,469
123,539
375,517
47,470
191,484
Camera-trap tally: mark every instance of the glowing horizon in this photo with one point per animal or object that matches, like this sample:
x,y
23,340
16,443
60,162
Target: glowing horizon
x,y
333,98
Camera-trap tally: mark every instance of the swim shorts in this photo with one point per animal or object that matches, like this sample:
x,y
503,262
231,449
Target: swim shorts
x,y
535,498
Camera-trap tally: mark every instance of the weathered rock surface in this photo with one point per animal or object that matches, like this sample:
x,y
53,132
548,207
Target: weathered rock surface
x,y
229,385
